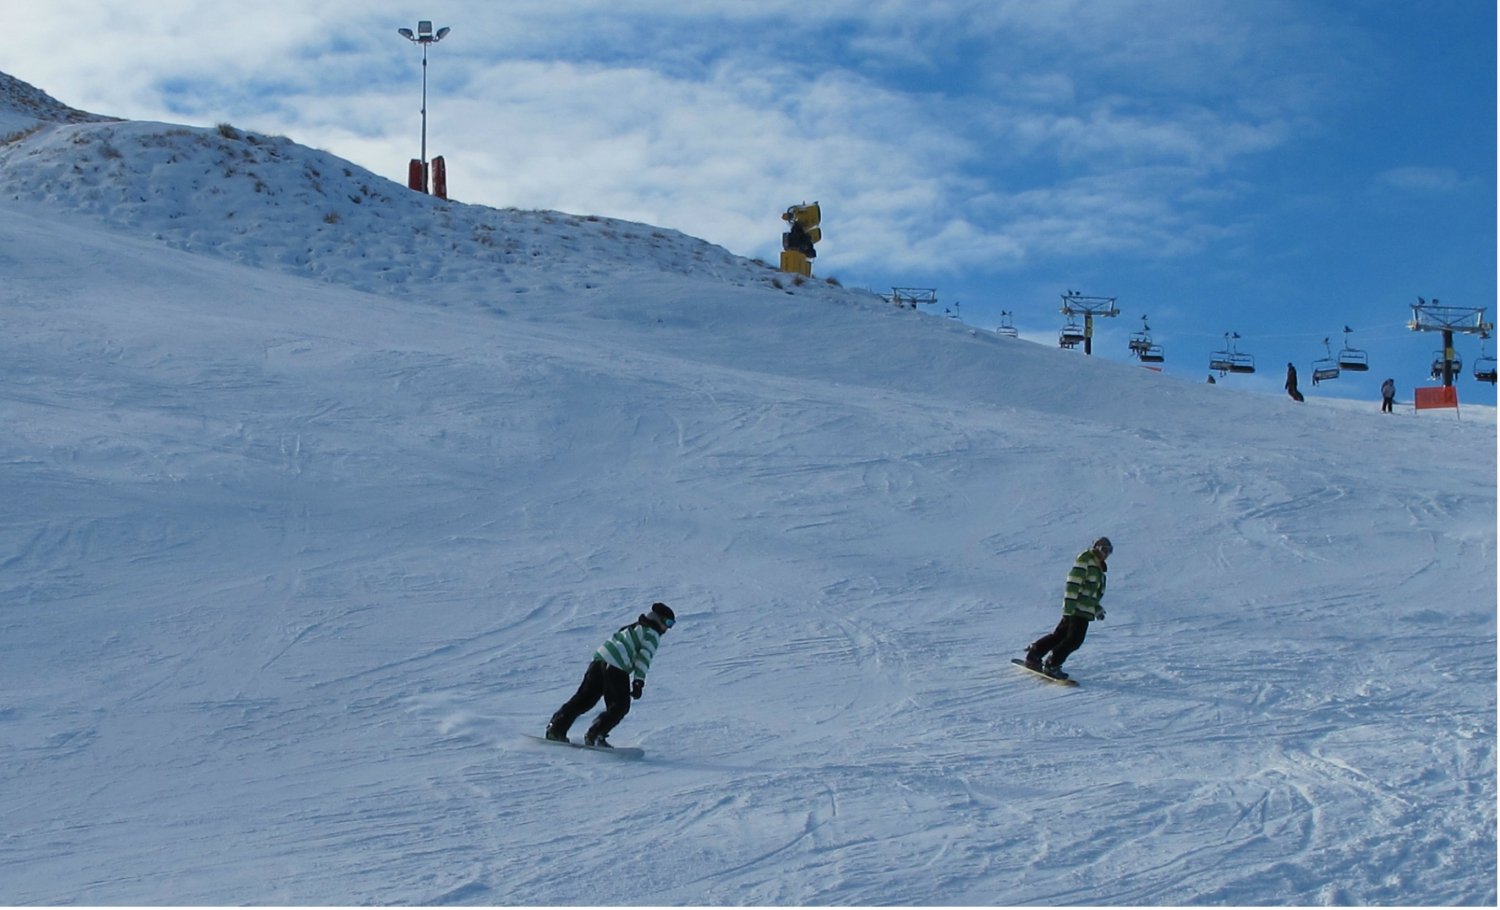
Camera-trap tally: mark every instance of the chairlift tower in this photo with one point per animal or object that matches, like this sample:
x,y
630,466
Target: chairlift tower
x,y
1075,304
1435,317
911,297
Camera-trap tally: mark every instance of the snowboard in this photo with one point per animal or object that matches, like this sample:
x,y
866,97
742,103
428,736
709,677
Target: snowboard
x,y
1047,676
616,751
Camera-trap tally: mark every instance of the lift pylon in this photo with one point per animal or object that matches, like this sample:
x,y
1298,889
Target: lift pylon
x,y
1435,317
1076,304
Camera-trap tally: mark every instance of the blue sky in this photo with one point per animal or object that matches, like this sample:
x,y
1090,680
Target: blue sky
x,y
1276,169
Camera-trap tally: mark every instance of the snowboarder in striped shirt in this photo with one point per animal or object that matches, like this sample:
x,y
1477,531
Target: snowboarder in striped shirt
x,y
1085,588
627,652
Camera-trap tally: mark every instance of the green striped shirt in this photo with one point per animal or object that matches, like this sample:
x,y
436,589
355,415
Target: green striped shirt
x,y
1085,586
630,649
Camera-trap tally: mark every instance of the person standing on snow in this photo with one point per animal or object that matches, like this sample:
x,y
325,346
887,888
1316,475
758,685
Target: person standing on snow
x,y
1291,383
628,651
1084,590
1388,396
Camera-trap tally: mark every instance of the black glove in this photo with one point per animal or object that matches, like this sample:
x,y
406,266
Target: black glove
x,y
1099,614
638,688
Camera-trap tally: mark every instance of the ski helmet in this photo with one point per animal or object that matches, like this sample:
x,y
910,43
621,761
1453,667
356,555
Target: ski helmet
x,y
664,615
1104,546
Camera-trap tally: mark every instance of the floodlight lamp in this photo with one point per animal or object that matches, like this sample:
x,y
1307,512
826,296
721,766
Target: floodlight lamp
x,y
424,27
440,33
406,33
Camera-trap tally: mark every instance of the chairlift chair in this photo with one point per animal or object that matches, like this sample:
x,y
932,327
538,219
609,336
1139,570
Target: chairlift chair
x,y
1070,336
1222,362
1353,358
1231,360
1484,365
1325,368
1153,353
1006,327
1437,364
1140,342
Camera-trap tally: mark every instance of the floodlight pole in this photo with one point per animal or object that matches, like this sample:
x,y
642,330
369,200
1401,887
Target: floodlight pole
x,y
424,36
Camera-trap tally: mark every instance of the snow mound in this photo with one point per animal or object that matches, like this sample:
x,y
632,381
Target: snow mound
x,y
269,202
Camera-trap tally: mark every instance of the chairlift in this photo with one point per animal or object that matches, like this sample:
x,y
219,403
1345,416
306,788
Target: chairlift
x,y
1352,358
1006,327
1140,342
1071,335
1231,360
1325,368
1437,364
1484,367
1143,347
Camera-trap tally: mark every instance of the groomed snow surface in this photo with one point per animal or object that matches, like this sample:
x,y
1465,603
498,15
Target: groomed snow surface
x,y
319,494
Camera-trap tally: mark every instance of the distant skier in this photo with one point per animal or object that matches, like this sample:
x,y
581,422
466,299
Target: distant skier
x,y
628,651
1291,383
1388,396
1084,590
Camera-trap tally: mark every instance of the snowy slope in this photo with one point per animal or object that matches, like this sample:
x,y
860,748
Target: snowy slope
x,y
320,494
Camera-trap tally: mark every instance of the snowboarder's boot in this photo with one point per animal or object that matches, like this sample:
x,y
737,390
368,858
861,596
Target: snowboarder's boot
x,y
1054,670
597,740
1033,659
557,728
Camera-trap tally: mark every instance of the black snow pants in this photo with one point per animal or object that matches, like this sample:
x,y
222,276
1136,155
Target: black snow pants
x,y
1061,641
599,680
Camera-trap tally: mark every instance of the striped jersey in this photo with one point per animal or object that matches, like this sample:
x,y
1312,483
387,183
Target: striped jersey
x,y
630,649
1085,587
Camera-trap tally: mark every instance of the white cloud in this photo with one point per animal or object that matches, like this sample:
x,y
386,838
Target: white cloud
x,y
1420,179
975,132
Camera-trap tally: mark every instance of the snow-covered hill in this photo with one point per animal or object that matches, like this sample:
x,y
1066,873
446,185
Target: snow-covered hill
x,y
265,201
320,494
24,108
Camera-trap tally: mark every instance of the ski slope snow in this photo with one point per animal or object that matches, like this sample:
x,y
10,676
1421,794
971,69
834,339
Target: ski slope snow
x,y
320,493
